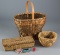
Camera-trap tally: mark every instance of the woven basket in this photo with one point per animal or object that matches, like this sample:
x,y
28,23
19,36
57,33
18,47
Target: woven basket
x,y
29,23
16,43
47,38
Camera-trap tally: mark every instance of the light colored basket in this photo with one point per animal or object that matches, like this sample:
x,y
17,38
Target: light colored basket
x,y
16,43
47,38
29,23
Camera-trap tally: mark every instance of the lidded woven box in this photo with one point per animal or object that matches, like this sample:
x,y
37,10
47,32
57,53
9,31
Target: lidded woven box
x,y
16,43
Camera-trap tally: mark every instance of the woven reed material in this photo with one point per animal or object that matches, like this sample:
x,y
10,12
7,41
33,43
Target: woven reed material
x,y
25,27
29,23
47,38
15,43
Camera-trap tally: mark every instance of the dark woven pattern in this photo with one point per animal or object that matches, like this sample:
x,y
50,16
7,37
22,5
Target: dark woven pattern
x,y
26,26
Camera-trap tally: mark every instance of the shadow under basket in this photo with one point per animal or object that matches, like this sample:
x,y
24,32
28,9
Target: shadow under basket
x,y
47,38
26,26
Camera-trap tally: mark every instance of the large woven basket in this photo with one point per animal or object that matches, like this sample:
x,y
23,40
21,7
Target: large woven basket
x,y
30,23
16,43
47,38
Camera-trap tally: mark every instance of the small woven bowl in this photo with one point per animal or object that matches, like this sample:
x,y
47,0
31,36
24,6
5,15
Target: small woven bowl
x,y
47,38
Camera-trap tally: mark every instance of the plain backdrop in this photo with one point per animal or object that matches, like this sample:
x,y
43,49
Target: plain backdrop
x,y
9,8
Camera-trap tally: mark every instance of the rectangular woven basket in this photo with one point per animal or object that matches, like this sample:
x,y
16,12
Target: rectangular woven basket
x,y
16,43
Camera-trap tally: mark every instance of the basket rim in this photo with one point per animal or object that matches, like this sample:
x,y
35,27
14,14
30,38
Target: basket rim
x,y
47,31
44,15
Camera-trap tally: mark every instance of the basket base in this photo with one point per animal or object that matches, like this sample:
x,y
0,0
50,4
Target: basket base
x,y
35,36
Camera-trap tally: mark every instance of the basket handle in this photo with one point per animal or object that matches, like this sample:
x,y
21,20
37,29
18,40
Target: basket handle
x,y
32,8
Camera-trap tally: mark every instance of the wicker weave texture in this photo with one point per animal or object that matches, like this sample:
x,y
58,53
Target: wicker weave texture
x,y
15,43
29,23
47,38
26,26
